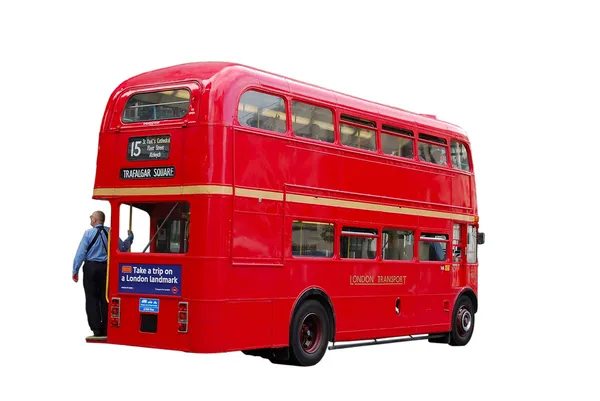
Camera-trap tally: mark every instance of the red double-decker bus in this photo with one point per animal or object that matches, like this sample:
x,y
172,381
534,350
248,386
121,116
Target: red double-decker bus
x,y
283,217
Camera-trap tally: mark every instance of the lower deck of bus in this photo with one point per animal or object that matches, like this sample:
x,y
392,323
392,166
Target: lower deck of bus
x,y
239,275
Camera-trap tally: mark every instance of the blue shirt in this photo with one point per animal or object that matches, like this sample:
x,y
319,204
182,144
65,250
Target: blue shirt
x,y
97,252
436,252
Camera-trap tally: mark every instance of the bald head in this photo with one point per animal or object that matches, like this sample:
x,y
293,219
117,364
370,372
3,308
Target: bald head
x,y
97,218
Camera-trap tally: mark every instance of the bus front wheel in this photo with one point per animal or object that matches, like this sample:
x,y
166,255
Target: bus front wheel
x,y
309,333
463,322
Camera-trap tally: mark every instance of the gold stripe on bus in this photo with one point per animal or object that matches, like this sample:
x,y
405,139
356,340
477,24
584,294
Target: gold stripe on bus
x,y
278,196
175,190
208,189
257,193
312,200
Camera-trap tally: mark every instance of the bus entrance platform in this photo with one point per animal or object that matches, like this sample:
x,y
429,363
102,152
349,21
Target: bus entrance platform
x,y
95,339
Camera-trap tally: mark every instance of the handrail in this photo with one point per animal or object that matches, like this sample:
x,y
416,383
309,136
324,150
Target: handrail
x,y
130,218
107,267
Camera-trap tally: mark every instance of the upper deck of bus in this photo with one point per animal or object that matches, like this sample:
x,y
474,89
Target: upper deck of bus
x,y
227,81
215,90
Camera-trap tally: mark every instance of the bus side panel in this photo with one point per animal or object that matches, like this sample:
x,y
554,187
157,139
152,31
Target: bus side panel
x,y
282,309
461,187
359,174
435,287
260,160
257,235
258,211
312,167
205,273
257,230
209,161
248,322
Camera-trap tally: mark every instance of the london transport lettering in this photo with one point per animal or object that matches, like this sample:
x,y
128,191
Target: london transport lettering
x,y
377,280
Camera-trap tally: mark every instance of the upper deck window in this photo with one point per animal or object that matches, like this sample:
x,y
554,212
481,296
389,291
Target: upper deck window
x,y
154,106
432,149
357,135
459,155
397,141
260,110
312,122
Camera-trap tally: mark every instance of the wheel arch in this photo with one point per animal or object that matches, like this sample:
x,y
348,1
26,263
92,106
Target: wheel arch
x,y
468,292
321,296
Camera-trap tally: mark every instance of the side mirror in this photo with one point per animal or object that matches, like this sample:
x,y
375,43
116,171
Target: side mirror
x,y
480,238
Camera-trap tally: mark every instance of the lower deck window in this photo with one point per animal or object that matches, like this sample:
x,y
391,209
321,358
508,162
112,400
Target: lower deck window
x,y
432,247
397,244
358,243
312,239
471,244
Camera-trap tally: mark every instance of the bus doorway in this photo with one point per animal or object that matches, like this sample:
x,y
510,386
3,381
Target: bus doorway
x,y
161,227
145,292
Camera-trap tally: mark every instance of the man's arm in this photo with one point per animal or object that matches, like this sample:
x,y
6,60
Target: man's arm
x,y
80,254
124,245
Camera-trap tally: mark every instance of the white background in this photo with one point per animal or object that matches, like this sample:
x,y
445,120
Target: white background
x,y
520,77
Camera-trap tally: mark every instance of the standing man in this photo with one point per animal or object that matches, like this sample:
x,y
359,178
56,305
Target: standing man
x,y
93,251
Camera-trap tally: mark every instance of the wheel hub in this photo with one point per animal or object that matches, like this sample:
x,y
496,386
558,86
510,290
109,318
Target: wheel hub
x,y
310,333
464,321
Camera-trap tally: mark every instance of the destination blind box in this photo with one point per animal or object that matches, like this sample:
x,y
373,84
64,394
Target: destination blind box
x,y
152,147
141,173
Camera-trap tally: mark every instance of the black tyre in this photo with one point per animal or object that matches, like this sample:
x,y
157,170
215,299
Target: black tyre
x,y
463,322
309,335
437,338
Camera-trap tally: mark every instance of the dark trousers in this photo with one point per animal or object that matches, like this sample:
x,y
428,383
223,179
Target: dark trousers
x,y
96,307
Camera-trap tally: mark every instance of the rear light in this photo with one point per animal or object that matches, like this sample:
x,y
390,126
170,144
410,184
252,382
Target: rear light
x,y
182,317
115,312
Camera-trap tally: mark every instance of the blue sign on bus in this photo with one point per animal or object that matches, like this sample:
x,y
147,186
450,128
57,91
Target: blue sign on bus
x,y
148,305
150,279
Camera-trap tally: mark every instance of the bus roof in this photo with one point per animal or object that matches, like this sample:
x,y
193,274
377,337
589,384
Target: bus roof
x,y
221,71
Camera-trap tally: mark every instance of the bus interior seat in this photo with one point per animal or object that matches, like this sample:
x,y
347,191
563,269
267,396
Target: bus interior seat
x,y
407,252
423,250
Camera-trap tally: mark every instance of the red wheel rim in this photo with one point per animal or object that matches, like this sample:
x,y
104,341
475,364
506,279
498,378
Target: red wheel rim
x,y
311,333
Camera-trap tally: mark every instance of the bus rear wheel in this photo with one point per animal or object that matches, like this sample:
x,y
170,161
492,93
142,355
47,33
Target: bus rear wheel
x,y
309,333
463,322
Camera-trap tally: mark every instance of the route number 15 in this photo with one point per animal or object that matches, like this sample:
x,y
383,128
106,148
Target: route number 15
x,y
135,149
